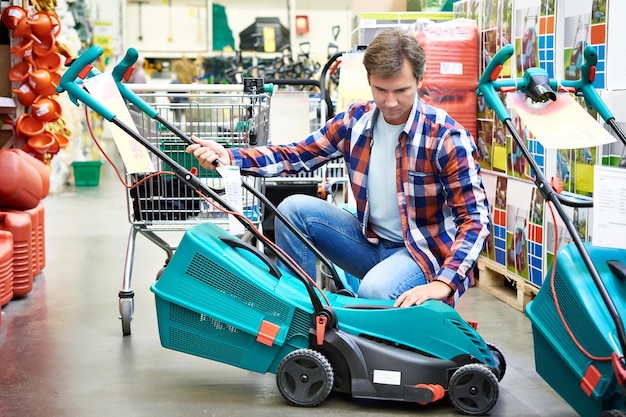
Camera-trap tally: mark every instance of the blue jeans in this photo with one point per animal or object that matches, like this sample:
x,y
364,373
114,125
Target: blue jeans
x,y
386,269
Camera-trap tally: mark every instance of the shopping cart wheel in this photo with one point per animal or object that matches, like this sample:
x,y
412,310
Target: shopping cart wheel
x,y
473,389
127,308
305,378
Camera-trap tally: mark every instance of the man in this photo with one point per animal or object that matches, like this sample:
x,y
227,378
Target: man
x,y
422,213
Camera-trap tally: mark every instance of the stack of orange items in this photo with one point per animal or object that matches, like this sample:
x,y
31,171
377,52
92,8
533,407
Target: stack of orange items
x,y
452,60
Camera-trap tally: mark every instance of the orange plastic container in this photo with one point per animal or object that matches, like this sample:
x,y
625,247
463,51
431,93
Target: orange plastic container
x,y
452,53
20,226
462,105
37,216
21,187
6,267
36,240
41,168
40,235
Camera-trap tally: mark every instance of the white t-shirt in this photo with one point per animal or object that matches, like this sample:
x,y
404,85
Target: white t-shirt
x,y
384,215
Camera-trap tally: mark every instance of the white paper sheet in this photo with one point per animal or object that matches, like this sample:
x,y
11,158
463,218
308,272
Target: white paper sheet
x,y
134,155
561,124
234,197
609,206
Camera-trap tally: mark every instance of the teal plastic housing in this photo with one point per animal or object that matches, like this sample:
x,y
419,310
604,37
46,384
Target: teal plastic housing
x,y
212,300
557,358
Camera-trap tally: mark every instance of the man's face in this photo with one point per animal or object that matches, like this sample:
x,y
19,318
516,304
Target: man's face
x,y
395,95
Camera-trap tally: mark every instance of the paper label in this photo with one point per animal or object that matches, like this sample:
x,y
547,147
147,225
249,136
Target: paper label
x,y
560,124
233,196
386,377
451,68
134,155
609,206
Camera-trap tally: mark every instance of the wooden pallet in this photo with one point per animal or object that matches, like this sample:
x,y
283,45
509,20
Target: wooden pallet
x,y
504,284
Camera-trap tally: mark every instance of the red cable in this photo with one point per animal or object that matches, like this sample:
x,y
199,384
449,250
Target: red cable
x,y
556,300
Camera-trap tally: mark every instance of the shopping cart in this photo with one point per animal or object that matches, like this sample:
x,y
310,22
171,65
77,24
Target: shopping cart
x,y
164,204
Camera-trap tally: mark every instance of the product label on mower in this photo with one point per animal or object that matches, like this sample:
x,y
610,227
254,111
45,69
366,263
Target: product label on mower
x,y
387,377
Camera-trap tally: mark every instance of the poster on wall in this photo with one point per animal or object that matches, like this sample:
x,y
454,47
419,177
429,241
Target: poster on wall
x,y
557,235
499,219
535,29
547,32
614,154
526,35
489,182
519,193
468,9
536,266
584,24
496,31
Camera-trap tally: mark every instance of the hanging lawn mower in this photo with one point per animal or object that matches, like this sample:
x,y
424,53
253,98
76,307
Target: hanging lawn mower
x,y
579,337
223,299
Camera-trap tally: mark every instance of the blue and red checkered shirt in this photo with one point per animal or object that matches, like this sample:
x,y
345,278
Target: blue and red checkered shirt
x,y
442,201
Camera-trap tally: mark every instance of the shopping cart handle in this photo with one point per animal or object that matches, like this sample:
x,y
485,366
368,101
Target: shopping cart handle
x,y
76,92
119,72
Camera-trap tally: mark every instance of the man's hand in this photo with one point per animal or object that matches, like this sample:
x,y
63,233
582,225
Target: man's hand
x,y
436,290
207,152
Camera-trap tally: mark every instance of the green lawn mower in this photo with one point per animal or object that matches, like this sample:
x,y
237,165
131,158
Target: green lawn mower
x,y
578,332
223,299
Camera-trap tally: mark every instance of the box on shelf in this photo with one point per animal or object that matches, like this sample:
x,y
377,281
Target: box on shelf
x,y
86,173
366,25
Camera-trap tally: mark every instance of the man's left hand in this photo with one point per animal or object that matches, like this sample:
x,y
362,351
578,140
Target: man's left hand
x,y
436,290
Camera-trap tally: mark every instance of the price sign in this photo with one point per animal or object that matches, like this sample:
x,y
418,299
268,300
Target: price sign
x,y
134,155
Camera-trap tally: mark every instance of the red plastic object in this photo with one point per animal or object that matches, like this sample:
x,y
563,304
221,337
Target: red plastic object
x,y
452,54
12,15
19,224
21,187
40,210
26,126
618,368
35,238
19,72
40,24
39,240
41,168
51,62
461,104
6,267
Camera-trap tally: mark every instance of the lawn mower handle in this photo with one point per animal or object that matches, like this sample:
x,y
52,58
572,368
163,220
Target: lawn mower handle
x,y
82,68
489,84
120,73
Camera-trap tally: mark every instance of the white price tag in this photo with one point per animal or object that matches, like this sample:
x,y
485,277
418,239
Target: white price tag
x,y
233,195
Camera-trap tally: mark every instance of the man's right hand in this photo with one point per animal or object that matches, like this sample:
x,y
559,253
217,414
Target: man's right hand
x,y
207,152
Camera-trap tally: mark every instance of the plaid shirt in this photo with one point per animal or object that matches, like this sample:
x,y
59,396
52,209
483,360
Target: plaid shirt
x,y
443,205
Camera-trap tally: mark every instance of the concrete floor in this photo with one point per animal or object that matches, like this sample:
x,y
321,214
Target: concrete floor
x,y
62,353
